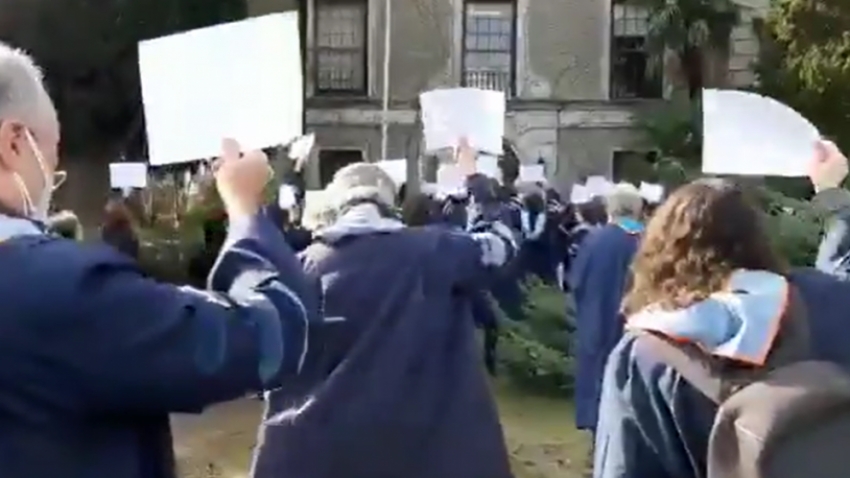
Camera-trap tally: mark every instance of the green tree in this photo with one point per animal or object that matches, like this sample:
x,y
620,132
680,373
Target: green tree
x,y
805,61
692,30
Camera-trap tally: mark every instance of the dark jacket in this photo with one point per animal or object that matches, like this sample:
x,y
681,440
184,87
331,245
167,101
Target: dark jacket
x,y
96,355
398,388
654,423
598,281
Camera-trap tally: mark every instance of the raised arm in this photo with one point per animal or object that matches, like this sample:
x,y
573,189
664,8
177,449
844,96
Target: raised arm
x,y
157,347
827,171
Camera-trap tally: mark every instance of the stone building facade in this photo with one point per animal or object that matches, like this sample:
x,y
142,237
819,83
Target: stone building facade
x,y
575,73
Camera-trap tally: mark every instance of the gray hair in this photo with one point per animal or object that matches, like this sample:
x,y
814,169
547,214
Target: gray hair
x,y
350,183
624,201
22,92
361,181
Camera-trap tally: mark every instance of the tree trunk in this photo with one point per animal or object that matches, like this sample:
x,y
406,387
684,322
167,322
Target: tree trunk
x,y
692,63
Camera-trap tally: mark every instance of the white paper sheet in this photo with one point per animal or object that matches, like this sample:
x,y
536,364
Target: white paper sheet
x,y
579,194
240,80
532,173
598,186
128,175
489,166
286,196
395,168
449,178
314,198
653,193
749,134
451,113
302,146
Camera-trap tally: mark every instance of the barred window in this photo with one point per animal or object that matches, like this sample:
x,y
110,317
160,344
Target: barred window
x,y
631,76
340,46
489,45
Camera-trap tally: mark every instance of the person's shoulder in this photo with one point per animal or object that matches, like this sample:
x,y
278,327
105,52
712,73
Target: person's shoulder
x,y
50,273
635,363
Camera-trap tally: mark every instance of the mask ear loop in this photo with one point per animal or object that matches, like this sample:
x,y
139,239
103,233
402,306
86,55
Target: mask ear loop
x,y
59,178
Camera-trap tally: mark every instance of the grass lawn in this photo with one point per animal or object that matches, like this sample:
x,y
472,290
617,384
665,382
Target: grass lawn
x,y
540,434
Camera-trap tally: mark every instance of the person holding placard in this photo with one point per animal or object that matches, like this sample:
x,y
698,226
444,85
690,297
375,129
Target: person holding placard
x,y
96,354
397,388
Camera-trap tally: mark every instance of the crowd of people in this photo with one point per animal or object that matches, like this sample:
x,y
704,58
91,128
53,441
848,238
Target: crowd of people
x,y
700,352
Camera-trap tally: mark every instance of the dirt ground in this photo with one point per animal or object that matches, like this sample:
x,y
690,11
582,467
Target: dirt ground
x,y
540,434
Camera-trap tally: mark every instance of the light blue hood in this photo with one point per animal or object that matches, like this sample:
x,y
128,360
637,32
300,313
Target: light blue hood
x,y
740,323
14,226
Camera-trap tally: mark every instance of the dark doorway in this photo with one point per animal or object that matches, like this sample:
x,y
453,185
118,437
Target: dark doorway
x,y
331,160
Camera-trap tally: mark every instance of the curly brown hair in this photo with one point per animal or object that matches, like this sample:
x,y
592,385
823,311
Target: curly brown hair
x,y
695,240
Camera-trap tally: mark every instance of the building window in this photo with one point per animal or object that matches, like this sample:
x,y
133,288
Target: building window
x,y
340,46
634,166
489,45
632,73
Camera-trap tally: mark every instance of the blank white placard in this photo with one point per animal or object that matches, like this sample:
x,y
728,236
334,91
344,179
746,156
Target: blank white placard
x,y
449,177
452,113
286,196
598,186
489,166
579,194
532,173
128,175
395,168
653,193
240,80
749,134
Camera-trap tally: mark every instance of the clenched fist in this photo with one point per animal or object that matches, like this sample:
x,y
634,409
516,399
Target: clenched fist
x,y
241,179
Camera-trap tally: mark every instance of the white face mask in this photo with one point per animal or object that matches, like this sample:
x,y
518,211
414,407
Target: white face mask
x,y
41,209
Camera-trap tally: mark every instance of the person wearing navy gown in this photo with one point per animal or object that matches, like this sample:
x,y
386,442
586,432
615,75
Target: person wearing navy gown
x,y
96,354
598,279
397,388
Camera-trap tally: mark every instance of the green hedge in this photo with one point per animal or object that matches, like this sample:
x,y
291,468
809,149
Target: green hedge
x,y
537,353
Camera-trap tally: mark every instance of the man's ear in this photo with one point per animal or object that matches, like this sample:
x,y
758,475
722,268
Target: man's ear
x,y
11,136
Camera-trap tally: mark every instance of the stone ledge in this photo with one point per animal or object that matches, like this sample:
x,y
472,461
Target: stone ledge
x,y
569,118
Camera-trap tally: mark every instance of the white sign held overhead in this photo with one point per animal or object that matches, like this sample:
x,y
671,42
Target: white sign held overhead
x,y
749,134
302,146
532,173
396,169
580,194
239,80
286,196
452,113
653,193
128,175
598,186
488,165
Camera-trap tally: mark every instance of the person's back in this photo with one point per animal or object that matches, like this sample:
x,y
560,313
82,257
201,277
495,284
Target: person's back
x,y
398,387
598,279
653,422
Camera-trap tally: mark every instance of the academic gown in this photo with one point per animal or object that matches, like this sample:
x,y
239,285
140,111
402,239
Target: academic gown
x,y
96,355
506,284
598,280
539,250
397,388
